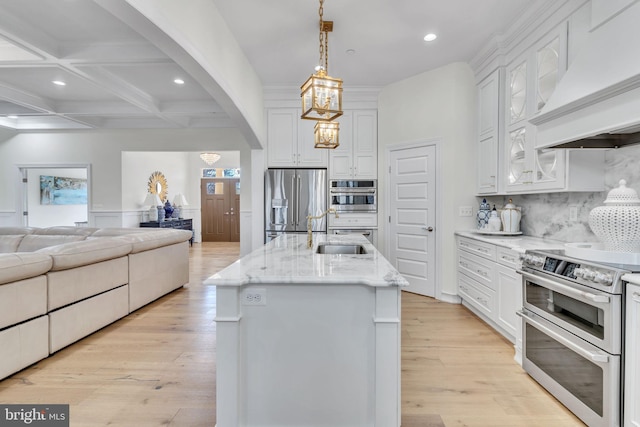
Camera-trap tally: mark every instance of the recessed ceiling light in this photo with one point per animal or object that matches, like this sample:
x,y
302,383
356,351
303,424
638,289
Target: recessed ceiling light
x,y
178,81
59,83
430,37
12,116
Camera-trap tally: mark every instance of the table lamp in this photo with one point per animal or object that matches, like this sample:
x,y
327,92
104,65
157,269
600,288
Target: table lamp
x,y
153,201
179,201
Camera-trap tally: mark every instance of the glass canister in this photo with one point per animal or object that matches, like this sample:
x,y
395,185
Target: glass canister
x,y
617,224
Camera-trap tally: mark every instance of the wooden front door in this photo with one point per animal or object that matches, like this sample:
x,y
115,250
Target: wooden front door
x,y
220,210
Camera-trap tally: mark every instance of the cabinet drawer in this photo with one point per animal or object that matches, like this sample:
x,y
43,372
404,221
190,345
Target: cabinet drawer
x,y
477,295
353,220
485,250
478,268
508,258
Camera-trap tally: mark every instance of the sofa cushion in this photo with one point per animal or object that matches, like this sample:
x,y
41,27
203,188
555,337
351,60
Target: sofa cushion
x,y
33,242
75,254
17,230
111,232
23,300
156,238
20,266
65,230
10,243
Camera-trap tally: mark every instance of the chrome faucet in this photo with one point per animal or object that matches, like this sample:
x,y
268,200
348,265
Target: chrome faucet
x,y
310,224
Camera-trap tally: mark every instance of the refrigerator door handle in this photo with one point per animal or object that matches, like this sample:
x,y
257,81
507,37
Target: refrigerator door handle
x,y
298,201
293,199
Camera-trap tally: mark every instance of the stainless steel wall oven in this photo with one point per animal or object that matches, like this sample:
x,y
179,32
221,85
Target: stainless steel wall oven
x,y
573,333
353,195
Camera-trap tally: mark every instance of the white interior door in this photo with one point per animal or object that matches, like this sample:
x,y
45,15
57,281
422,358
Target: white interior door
x,y
412,220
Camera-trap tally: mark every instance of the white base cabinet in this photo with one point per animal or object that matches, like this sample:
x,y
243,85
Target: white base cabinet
x,y
632,358
490,287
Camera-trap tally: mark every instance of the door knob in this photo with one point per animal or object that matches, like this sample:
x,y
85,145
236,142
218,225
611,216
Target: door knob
x,y
429,229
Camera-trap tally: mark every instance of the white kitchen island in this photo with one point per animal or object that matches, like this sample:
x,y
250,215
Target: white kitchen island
x,y
307,339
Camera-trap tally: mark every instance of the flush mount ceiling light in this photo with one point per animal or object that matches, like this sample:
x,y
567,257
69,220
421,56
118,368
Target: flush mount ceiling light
x,y
178,81
321,94
59,83
210,158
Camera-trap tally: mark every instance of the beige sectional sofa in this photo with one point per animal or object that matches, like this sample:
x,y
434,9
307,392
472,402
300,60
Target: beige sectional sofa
x,y
60,284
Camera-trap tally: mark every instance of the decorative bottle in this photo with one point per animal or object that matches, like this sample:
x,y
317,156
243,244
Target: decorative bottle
x,y
483,214
494,223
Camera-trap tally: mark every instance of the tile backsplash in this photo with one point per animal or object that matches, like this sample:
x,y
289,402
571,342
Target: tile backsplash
x,y
547,215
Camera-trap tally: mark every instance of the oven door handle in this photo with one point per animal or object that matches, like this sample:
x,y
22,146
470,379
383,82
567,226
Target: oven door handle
x,y
351,192
566,290
595,357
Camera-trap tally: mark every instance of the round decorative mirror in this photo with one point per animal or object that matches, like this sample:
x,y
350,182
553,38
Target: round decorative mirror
x,y
158,185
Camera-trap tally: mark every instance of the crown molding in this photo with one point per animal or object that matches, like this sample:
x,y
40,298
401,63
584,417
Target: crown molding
x,y
536,19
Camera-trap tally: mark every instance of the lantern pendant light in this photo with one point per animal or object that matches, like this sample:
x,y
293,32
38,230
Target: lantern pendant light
x,y
321,94
326,134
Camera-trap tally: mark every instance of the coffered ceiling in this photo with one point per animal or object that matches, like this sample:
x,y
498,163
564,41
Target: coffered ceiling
x,y
116,78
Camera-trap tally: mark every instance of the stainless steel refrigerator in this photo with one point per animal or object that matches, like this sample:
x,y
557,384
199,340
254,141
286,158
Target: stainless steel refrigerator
x,y
290,196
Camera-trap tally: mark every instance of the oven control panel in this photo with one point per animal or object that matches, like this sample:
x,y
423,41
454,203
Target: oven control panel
x,y
572,269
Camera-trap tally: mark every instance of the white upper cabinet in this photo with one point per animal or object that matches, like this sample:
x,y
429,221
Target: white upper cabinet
x,y
290,141
490,114
530,81
357,155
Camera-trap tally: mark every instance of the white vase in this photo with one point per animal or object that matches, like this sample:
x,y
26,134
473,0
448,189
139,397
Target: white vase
x,y
617,224
511,218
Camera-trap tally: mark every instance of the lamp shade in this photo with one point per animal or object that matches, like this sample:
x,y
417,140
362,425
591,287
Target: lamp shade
x,y
180,200
152,200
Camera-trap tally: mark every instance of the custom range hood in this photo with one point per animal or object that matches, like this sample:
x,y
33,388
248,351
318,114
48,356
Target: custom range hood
x,y
597,102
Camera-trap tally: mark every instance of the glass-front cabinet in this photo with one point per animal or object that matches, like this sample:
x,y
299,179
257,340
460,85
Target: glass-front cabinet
x,y
510,96
531,79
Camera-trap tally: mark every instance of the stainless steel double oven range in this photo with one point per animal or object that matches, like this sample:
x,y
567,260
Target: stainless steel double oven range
x,y
572,315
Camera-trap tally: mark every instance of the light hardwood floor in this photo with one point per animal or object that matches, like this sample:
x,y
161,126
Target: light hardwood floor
x,y
156,367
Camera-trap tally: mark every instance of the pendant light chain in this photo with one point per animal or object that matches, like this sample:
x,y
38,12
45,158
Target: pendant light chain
x,y
323,39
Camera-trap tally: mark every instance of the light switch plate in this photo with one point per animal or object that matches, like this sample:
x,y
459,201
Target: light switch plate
x,y
466,211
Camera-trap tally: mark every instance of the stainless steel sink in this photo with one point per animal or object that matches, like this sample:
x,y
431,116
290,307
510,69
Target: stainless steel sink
x,y
333,248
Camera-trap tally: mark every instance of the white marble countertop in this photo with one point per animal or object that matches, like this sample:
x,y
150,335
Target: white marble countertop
x,y
518,243
287,260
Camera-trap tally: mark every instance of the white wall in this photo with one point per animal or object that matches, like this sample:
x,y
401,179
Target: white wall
x,y
182,170
439,104
50,215
116,199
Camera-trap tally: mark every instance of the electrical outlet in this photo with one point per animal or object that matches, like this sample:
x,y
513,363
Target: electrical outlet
x,y
573,213
465,211
254,297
